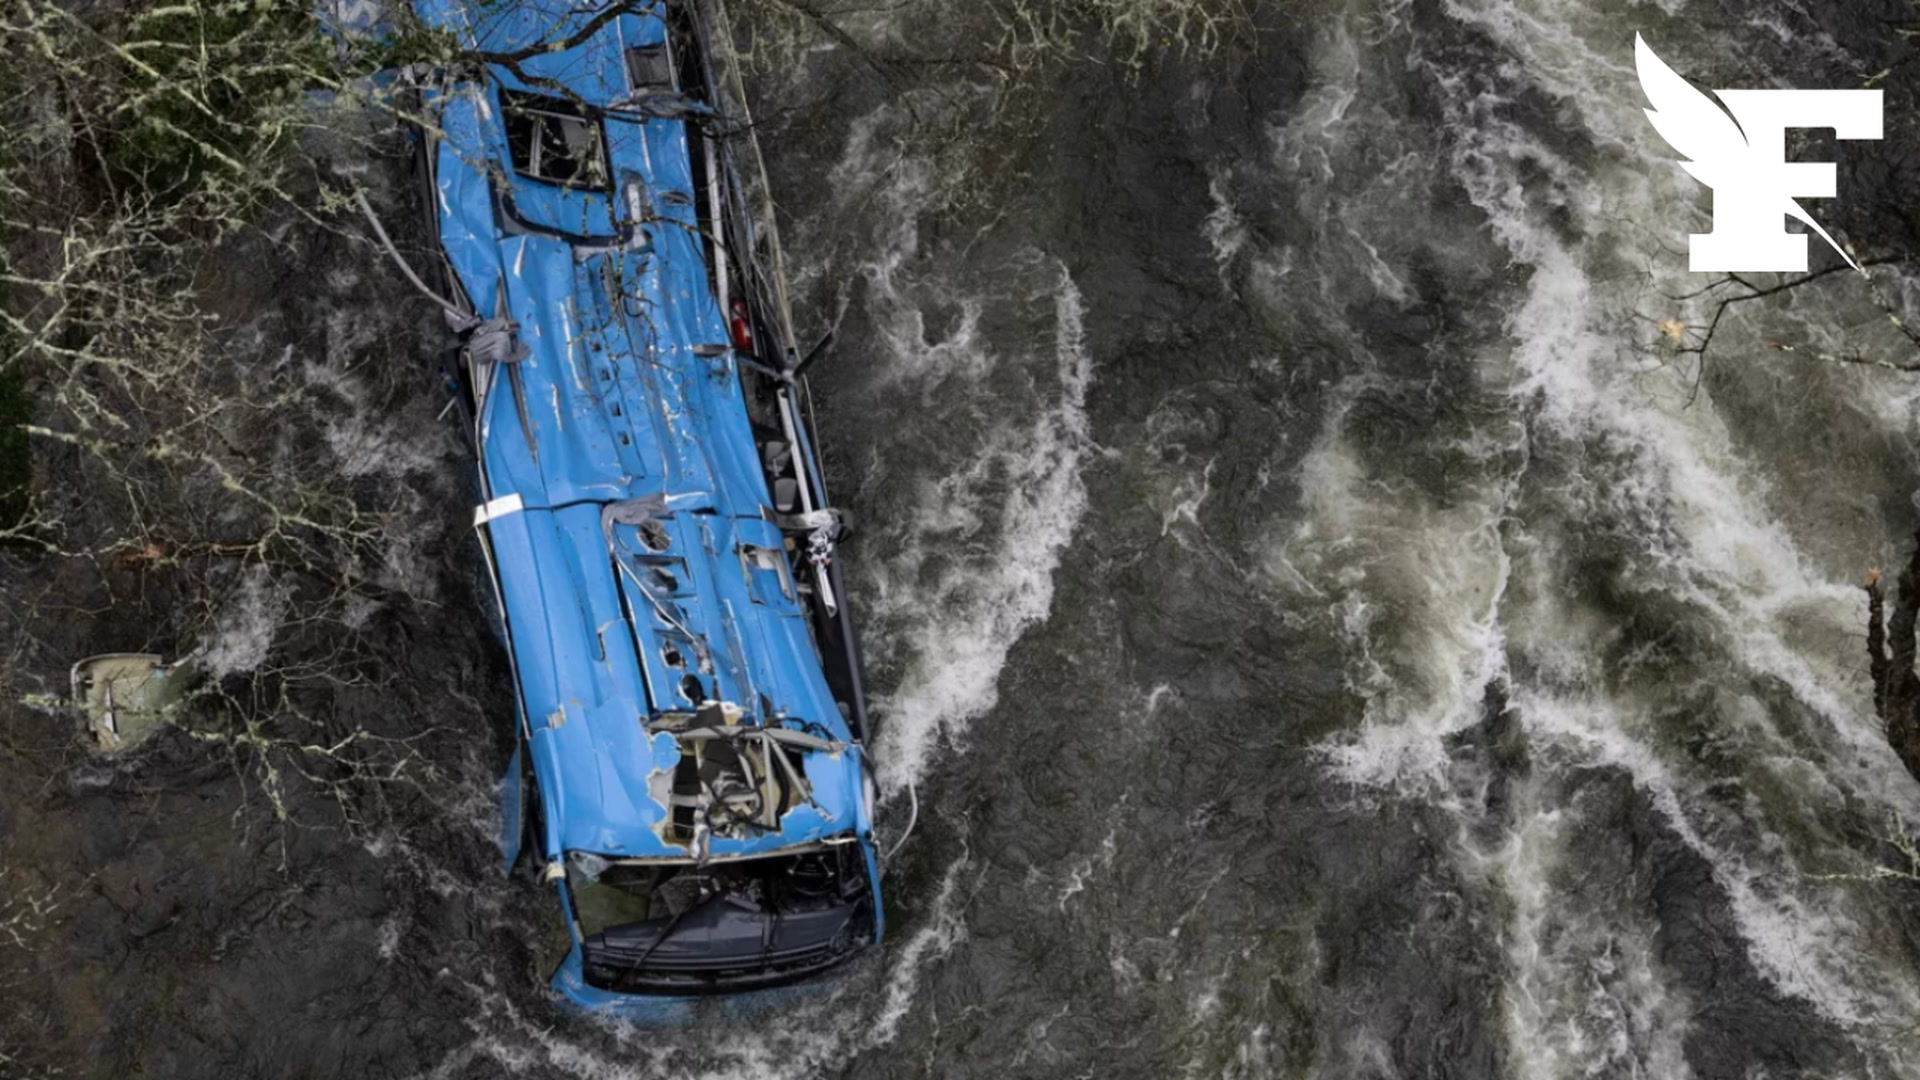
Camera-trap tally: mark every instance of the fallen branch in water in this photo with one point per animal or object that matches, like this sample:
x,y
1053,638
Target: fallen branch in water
x,y
1849,358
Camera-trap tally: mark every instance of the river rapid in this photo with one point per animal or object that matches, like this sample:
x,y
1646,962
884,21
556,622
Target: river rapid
x,y
1328,627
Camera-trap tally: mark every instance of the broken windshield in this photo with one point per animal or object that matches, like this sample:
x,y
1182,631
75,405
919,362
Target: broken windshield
x,y
653,924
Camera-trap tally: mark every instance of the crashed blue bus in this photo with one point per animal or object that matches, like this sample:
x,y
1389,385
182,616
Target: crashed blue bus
x,y
691,766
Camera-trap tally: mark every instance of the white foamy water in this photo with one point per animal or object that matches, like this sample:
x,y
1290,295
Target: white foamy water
x,y
991,521
242,632
1436,601
967,564
1799,935
1442,570
1226,234
1721,549
887,190
1586,996
995,527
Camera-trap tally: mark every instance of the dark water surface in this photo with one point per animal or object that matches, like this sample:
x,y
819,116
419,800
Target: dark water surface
x,y
1328,633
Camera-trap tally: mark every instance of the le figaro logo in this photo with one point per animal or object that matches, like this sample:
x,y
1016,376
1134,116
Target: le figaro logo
x,y
1741,153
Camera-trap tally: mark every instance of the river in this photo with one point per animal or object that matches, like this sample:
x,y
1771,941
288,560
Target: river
x,y
1328,627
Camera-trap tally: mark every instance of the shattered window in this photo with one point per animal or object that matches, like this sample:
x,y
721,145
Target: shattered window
x,y
551,141
649,68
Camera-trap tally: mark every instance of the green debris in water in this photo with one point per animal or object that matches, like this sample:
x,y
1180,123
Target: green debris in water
x,y
127,697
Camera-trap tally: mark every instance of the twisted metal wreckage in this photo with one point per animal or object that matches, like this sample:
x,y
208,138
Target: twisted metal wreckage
x,y
654,515
655,518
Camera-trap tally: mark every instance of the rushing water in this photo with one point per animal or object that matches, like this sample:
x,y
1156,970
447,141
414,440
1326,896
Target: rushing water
x,y
1329,630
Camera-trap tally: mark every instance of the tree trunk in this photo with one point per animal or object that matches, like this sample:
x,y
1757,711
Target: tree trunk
x,y
1896,686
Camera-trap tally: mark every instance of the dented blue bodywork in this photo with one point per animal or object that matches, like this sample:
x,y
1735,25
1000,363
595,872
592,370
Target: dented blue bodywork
x,y
652,511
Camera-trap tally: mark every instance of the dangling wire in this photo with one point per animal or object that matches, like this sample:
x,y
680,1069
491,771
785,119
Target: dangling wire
x,y
913,818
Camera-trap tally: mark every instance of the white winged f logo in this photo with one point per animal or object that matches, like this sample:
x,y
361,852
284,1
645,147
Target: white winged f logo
x,y
1743,158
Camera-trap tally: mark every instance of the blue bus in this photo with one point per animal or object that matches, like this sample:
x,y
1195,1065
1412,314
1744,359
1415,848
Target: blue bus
x,y
691,771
